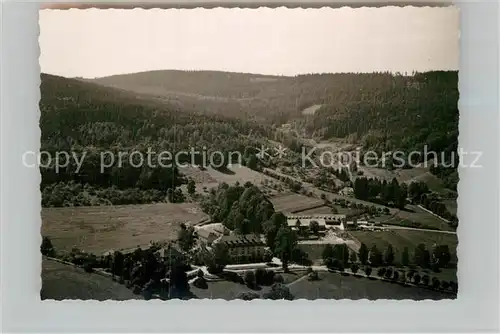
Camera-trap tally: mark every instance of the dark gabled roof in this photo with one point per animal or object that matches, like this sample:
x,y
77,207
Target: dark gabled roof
x,y
235,240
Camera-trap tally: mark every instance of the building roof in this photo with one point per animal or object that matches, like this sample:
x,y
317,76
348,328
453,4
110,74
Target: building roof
x,y
206,234
235,240
305,222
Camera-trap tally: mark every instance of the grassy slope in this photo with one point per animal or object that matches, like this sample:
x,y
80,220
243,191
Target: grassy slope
x,y
61,281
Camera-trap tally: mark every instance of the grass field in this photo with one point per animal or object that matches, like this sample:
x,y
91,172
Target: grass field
x,y
319,211
291,202
336,286
406,238
416,214
61,281
101,228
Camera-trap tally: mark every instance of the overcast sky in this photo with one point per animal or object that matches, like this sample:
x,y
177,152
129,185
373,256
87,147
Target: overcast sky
x,y
95,43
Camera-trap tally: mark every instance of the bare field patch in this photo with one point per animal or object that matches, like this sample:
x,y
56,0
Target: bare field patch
x,y
102,228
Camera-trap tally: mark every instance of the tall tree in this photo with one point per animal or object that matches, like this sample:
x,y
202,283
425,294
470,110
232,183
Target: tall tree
x,y
375,256
405,257
191,187
286,242
363,254
389,255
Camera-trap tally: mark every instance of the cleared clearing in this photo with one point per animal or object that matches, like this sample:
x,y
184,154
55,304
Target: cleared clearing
x,y
101,228
211,178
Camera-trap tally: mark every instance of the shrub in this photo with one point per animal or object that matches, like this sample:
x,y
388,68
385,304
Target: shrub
x,y
425,279
354,268
250,278
435,283
200,282
416,279
279,291
381,272
46,247
453,286
312,276
368,271
232,277
88,267
248,295
278,279
395,276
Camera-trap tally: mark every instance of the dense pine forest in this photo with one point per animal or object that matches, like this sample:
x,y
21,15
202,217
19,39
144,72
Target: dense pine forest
x,y
175,110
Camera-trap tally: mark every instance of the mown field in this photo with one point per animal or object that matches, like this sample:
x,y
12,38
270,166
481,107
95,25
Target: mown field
x,y
400,238
61,281
291,202
102,228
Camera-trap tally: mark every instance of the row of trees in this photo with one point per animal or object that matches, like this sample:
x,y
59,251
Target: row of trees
x,y
339,255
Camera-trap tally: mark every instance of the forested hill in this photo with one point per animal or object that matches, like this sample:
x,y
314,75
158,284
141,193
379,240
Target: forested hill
x,y
79,113
84,118
381,110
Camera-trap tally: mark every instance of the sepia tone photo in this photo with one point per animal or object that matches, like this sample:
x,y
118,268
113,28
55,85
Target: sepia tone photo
x,y
266,153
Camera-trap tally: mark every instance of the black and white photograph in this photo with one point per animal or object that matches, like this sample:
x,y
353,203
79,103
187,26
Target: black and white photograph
x,y
264,153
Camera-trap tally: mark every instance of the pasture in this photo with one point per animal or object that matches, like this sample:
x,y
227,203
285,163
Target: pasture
x,y
99,229
400,238
62,281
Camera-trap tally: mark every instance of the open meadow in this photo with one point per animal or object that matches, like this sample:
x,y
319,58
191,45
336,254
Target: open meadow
x,y
102,228
336,286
